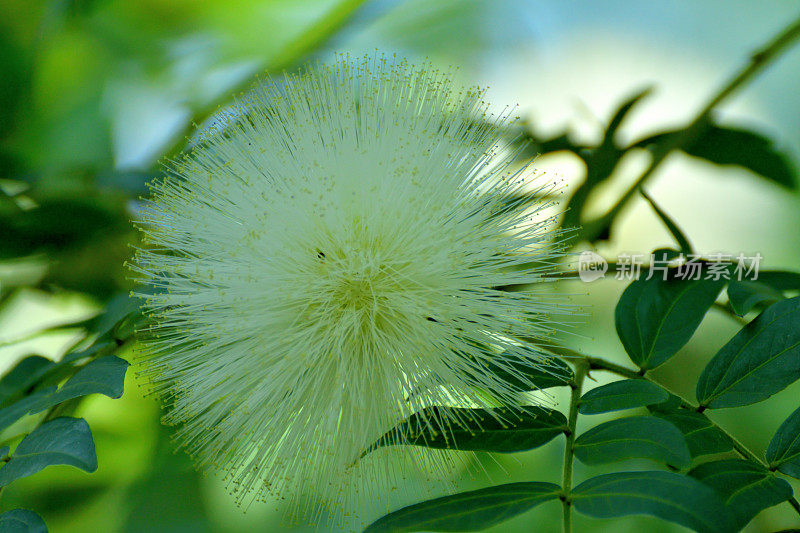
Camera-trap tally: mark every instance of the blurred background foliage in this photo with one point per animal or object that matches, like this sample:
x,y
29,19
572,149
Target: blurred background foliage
x,y
93,93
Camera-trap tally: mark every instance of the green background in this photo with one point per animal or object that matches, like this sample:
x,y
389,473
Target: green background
x,y
93,93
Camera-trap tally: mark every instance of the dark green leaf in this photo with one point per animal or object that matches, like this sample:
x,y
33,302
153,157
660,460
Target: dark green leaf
x,y
21,521
31,403
780,280
656,317
783,451
733,146
667,495
702,436
105,375
619,395
644,437
673,228
23,376
760,360
61,441
525,374
497,430
745,295
467,511
746,488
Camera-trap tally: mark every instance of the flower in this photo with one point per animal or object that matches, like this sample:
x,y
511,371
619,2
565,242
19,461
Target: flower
x,y
329,262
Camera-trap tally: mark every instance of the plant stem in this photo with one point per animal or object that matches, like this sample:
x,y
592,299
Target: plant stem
x,y
598,363
758,61
581,369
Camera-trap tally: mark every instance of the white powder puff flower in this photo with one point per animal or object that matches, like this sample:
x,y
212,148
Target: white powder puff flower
x,y
329,263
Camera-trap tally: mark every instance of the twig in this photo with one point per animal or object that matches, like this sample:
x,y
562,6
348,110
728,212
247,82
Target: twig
x,y
758,61
581,369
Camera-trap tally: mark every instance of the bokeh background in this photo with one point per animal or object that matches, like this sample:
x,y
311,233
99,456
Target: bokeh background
x,y
93,93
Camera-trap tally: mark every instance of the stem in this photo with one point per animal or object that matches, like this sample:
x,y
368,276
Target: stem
x,y
758,61
598,363
581,369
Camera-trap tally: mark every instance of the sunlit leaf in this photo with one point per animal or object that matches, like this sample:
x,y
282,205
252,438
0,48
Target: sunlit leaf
x,y
760,360
643,437
667,495
467,511
61,441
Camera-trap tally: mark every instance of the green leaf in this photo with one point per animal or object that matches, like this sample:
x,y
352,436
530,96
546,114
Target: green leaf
x,y
625,394
745,487
105,375
673,228
644,437
783,451
745,295
760,360
23,376
467,511
780,279
702,436
497,430
667,495
723,145
656,317
21,521
525,374
61,441
15,411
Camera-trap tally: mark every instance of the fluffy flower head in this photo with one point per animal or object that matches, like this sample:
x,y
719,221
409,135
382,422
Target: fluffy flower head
x,y
328,263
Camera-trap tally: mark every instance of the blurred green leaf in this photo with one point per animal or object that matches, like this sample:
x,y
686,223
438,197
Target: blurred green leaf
x,y
61,441
746,294
702,436
467,511
23,376
724,145
57,224
21,521
760,360
780,279
644,437
669,496
783,452
673,228
105,375
656,317
497,430
625,394
15,411
745,487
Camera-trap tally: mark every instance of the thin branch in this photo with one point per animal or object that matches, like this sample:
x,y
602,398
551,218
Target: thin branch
x,y
581,369
758,61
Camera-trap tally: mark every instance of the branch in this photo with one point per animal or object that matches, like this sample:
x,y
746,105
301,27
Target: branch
x,y
598,363
581,369
758,61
